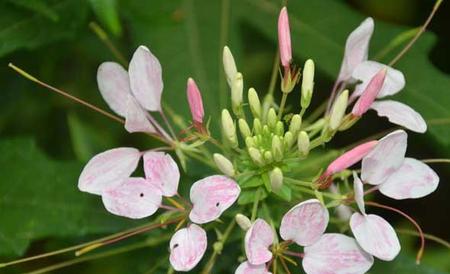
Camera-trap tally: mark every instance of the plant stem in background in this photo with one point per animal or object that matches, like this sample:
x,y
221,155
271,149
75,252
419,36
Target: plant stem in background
x,y
103,36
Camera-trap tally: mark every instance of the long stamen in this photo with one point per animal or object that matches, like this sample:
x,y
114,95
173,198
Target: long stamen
x,y
419,229
436,161
285,267
65,94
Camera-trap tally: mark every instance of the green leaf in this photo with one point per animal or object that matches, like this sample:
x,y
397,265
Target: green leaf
x,y
284,193
319,30
21,30
248,196
403,265
107,12
38,6
39,198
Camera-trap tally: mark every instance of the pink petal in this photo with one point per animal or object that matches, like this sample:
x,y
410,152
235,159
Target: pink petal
x,y
395,81
369,94
413,179
211,196
257,242
400,114
134,198
284,38
114,85
356,49
136,118
358,189
387,156
162,170
350,157
108,168
195,101
336,254
375,235
187,247
305,222
146,79
247,268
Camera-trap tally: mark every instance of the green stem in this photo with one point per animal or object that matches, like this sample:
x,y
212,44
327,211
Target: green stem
x,y
297,182
103,36
282,104
255,204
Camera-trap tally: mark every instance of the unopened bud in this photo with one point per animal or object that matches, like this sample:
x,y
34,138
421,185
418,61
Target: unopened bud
x,y
276,178
288,140
228,128
303,143
256,156
229,65
249,142
244,128
255,104
237,88
284,38
243,221
338,110
266,130
268,156
279,128
257,126
307,83
277,148
369,95
272,118
296,123
224,164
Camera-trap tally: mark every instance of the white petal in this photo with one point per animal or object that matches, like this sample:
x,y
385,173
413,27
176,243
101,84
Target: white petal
x,y
257,241
108,168
134,198
400,114
136,118
413,179
387,156
305,222
358,190
248,268
211,196
356,48
114,85
146,79
336,254
162,170
375,235
394,82
187,247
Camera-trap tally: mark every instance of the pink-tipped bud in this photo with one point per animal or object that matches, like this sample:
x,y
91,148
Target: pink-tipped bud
x,y
369,94
350,158
195,102
284,38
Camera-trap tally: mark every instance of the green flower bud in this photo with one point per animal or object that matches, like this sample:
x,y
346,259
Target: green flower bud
x,y
256,156
237,89
229,128
229,65
296,123
243,221
303,143
224,164
288,140
257,126
279,128
266,130
277,148
255,104
307,83
244,128
276,178
272,118
338,110
249,142
268,157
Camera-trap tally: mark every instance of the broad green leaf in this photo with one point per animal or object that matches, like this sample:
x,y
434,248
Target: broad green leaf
x,y
403,264
23,29
107,12
39,198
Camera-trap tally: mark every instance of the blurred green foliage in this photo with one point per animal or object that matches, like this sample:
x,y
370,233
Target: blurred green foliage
x,y
40,206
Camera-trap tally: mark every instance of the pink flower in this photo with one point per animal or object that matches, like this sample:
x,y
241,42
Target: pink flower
x,y
195,102
370,94
284,38
187,247
248,268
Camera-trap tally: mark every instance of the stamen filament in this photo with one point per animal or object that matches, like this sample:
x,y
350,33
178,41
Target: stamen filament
x,y
433,161
283,263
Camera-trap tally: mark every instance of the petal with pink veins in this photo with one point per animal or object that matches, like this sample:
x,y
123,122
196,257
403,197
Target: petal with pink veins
x,y
257,242
162,170
337,254
146,79
134,198
108,169
187,247
358,190
136,118
412,180
375,235
356,48
387,156
114,85
394,82
305,222
211,196
248,268
400,114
